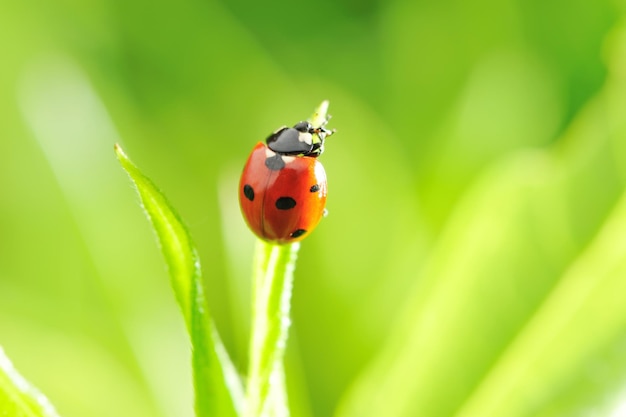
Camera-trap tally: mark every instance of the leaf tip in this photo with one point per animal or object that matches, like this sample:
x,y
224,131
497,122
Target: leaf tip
x,y
119,151
320,115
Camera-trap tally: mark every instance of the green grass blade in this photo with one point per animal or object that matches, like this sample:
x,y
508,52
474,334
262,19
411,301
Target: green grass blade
x,y
215,381
18,398
272,283
555,348
271,304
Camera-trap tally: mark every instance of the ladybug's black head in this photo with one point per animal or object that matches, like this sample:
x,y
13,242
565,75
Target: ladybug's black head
x,y
304,127
303,140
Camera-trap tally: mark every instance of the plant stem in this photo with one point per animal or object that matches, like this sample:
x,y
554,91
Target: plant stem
x,y
270,325
271,303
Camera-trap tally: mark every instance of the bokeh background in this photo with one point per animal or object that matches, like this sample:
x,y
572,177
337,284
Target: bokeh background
x,y
473,262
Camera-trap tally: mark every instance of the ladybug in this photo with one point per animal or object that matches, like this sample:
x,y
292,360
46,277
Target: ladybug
x,y
282,191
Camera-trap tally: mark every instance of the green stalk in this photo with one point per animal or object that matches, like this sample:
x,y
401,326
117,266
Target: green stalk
x,y
272,285
271,303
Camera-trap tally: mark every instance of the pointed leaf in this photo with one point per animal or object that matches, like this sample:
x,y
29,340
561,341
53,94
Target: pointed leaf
x,y
18,398
215,380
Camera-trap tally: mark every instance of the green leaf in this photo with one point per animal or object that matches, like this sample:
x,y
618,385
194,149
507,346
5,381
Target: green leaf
x,y
519,311
217,385
18,398
573,343
273,280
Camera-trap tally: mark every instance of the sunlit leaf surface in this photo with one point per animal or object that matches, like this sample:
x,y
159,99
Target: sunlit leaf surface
x,y
212,371
18,398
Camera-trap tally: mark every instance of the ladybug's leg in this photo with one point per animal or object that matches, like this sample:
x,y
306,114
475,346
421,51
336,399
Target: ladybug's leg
x,y
321,132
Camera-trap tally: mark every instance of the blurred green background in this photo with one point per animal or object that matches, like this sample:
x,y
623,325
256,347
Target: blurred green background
x,y
473,262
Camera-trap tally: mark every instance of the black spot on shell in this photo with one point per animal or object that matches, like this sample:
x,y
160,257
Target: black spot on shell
x,y
275,163
298,233
248,191
285,203
314,188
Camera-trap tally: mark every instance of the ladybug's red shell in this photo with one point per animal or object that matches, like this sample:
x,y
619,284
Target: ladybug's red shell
x,y
282,197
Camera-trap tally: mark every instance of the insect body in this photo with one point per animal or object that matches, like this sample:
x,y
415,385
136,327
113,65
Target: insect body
x,y
282,191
